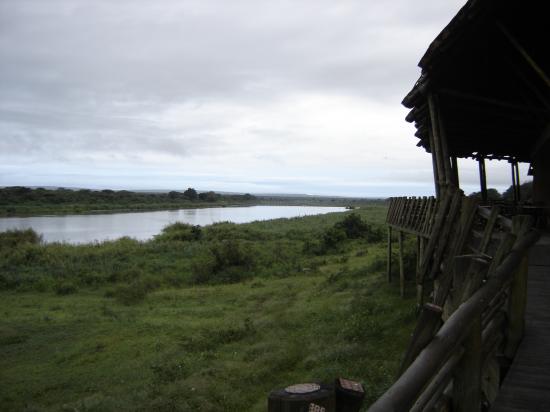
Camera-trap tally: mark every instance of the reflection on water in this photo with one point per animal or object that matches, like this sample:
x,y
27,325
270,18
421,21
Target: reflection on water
x,y
144,225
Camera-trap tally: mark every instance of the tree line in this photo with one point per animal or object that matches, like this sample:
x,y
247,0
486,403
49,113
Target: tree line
x,y
17,195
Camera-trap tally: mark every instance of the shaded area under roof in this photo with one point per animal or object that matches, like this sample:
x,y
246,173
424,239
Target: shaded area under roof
x,y
488,71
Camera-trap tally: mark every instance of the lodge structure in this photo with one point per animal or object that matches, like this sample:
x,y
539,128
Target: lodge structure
x,y
483,269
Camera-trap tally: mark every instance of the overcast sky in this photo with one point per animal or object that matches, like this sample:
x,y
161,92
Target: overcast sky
x,y
298,96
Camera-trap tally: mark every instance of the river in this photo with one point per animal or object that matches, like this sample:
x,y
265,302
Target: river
x,y
144,225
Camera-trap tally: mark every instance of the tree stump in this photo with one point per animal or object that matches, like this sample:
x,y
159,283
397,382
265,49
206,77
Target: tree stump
x,y
302,398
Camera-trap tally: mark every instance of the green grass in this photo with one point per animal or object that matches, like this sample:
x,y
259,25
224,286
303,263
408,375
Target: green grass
x,y
146,336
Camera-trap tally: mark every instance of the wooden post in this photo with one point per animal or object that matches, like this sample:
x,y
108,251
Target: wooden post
x,y
454,163
389,254
517,299
401,267
437,141
444,144
434,165
467,382
518,186
514,184
482,178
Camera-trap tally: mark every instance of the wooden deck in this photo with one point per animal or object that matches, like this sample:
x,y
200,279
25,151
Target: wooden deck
x,y
527,384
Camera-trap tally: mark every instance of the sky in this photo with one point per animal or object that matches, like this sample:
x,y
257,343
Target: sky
x,y
259,96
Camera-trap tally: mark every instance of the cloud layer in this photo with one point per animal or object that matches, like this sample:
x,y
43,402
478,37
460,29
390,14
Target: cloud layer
x,y
247,95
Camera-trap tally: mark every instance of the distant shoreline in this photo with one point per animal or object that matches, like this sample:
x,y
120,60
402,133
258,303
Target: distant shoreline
x,y
26,202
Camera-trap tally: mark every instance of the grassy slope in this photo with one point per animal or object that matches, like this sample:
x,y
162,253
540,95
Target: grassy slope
x,y
207,348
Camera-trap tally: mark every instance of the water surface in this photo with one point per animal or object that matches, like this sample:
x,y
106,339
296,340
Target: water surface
x,y
144,225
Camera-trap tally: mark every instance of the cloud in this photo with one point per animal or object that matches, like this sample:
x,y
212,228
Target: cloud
x,y
286,96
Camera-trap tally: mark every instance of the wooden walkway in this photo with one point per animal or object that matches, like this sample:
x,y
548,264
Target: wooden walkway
x,y
527,384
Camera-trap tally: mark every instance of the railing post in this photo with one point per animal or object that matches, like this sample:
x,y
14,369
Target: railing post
x,y
467,381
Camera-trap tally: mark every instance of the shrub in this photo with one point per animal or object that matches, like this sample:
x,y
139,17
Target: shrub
x,y
227,261
14,238
356,228
180,232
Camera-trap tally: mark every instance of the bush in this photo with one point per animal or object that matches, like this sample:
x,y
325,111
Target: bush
x,y
356,228
227,261
14,238
180,232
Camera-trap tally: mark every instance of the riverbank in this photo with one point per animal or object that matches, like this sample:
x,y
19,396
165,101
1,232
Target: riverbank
x,y
26,202
199,319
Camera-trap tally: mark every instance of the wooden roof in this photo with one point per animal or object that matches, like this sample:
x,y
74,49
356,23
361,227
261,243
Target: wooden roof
x,y
489,70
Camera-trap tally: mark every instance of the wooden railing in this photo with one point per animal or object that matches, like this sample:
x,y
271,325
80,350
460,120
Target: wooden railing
x,y
413,215
473,273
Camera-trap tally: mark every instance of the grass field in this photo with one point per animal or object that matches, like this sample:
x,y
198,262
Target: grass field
x,y
198,322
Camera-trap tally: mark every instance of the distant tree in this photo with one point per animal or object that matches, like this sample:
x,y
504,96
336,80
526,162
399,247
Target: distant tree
x,y
526,190
492,194
208,196
173,195
190,194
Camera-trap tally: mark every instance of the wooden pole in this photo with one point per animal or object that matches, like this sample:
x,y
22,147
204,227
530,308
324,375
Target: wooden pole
x,y
444,143
437,141
514,185
454,163
467,381
401,266
518,185
434,165
389,254
482,178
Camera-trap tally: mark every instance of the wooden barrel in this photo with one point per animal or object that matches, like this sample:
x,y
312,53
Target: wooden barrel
x,y
304,397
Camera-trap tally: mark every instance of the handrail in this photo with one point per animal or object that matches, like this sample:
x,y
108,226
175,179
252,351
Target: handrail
x,y
406,390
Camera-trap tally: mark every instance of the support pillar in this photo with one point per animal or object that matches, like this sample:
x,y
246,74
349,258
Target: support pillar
x,y
482,178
